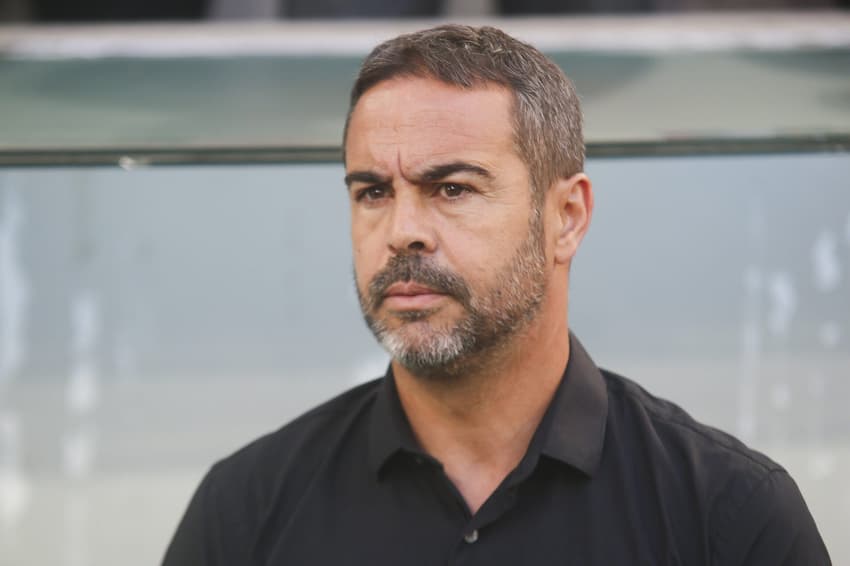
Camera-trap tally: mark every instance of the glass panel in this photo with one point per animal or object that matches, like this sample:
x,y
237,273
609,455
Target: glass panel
x,y
300,102
153,320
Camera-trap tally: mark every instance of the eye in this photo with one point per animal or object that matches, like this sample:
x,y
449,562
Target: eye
x,y
452,190
373,193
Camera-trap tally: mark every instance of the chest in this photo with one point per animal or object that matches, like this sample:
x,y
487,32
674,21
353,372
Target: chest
x,y
418,519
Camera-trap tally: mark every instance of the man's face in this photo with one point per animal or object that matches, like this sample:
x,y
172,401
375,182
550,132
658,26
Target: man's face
x,y
449,254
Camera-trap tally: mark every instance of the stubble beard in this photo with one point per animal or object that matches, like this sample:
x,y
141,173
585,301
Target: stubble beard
x,y
488,321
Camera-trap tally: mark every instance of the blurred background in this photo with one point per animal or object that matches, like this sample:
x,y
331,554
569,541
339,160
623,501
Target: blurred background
x,y
151,10
175,271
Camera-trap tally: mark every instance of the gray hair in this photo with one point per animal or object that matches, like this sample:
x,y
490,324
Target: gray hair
x,y
546,113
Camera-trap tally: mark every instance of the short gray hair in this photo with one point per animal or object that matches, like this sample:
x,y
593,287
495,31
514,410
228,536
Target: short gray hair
x,y
546,113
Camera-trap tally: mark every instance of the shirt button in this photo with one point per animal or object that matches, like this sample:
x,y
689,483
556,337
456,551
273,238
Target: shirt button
x,y
471,537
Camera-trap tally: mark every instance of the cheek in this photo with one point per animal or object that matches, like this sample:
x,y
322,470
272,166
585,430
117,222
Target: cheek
x,y
365,230
480,257
361,270
473,261
478,248
367,258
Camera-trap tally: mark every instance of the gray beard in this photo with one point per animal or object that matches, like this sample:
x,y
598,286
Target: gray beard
x,y
488,322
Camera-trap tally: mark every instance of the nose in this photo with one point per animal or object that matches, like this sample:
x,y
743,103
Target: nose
x,y
410,229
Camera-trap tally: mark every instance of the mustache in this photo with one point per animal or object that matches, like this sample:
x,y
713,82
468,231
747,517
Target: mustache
x,y
416,269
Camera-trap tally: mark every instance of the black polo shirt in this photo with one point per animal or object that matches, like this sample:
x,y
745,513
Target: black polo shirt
x,y
613,476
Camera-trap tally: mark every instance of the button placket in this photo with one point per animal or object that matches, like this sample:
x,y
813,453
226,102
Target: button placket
x,y
471,536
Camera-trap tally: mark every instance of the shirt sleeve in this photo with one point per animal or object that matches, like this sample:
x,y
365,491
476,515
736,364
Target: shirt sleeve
x,y
772,527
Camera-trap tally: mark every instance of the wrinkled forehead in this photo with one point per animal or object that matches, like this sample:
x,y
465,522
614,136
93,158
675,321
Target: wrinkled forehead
x,y
412,118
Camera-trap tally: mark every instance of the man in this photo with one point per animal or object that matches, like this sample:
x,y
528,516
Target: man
x,y
493,438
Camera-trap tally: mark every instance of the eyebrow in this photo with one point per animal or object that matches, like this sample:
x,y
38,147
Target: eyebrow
x,y
442,171
364,177
430,175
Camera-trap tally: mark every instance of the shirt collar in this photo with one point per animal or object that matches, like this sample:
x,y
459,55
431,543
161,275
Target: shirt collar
x,y
572,429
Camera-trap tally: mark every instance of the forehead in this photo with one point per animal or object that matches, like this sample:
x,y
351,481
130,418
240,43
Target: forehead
x,y
413,121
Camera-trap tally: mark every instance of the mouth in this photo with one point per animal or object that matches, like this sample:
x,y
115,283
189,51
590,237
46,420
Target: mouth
x,y
408,296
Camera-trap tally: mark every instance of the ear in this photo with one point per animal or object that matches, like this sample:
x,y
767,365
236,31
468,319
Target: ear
x,y
573,198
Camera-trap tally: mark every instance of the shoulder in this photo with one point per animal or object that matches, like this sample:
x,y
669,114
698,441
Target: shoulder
x,y
676,426
229,508
255,472
752,511
302,437
695,460
677,430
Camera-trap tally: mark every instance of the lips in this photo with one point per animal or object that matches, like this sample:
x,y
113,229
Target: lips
x,y
409,289
408,295
412,282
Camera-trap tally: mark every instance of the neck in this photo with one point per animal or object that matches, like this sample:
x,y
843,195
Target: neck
x,y
479,425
